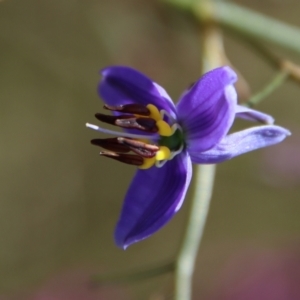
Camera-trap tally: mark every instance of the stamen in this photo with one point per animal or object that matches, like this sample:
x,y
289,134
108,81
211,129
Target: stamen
x,y
121,134
136,109
137,144
148,163
160,163
165,113
111,144
140,148
154,112
127,121
164,153
148,119
130,159
175,127
110,119
164,128
174,153
147,124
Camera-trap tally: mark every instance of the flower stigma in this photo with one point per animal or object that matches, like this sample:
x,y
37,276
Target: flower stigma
x,y
161,138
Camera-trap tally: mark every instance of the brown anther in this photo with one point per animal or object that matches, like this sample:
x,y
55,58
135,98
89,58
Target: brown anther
x,y
130,159
145,124
136,109
127,121
140,148
111,144
110,119
137,144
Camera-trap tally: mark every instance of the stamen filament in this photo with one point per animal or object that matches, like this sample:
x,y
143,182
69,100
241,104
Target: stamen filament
x,y
165,113
174,153
121,134
175,127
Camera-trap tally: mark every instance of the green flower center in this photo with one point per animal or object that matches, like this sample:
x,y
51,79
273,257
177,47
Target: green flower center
x,y
173,142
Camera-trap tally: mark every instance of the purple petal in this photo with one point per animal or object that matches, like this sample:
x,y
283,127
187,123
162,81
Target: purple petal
x,y
124,85
242,142
207,110
154,196
249,114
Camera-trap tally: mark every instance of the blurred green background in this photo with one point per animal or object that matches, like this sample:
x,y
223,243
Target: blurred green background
x,y
59,201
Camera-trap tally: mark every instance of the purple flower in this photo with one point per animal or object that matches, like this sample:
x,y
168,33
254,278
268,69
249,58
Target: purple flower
x,y
163,140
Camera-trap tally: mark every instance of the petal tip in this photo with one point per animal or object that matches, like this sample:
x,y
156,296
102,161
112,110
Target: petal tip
x,y
242,142
120,241
104,71
250,114
276,131
230,74
111,69
269,120
286,132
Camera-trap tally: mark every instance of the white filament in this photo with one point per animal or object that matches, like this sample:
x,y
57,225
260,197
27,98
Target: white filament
x,y
165,113
121,134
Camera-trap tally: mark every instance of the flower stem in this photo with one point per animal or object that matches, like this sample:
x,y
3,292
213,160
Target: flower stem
x,y
204,175
243,20
204,179
259,26
274,84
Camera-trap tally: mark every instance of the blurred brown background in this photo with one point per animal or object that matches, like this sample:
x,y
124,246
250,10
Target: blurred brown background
x,y
59,201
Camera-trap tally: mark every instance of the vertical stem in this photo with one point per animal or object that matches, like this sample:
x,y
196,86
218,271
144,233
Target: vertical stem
x,y
204,179
212,57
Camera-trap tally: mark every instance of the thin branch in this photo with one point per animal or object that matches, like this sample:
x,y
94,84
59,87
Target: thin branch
x,y
133,276
277,81
274,60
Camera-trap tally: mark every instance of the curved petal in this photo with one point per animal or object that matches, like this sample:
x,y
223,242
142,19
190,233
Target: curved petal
x,y
154,196
124,85
249,114
207,110
241,142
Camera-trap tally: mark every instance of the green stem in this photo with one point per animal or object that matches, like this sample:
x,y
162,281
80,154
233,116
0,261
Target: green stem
x,y
204,175
204,179
274,84
256,25
134,276
244,21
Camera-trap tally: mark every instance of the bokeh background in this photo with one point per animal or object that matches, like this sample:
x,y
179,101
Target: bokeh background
x,y
59,201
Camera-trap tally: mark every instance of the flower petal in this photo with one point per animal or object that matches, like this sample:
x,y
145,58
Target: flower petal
x,y
241,142
154,196
246,113
124,85
207,110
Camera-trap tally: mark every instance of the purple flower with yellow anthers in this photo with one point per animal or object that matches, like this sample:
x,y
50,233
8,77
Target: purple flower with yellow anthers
x,y
163,139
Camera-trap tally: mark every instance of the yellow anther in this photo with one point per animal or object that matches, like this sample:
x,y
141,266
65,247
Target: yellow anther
x,y
154,112
148,163
163,153
164,128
